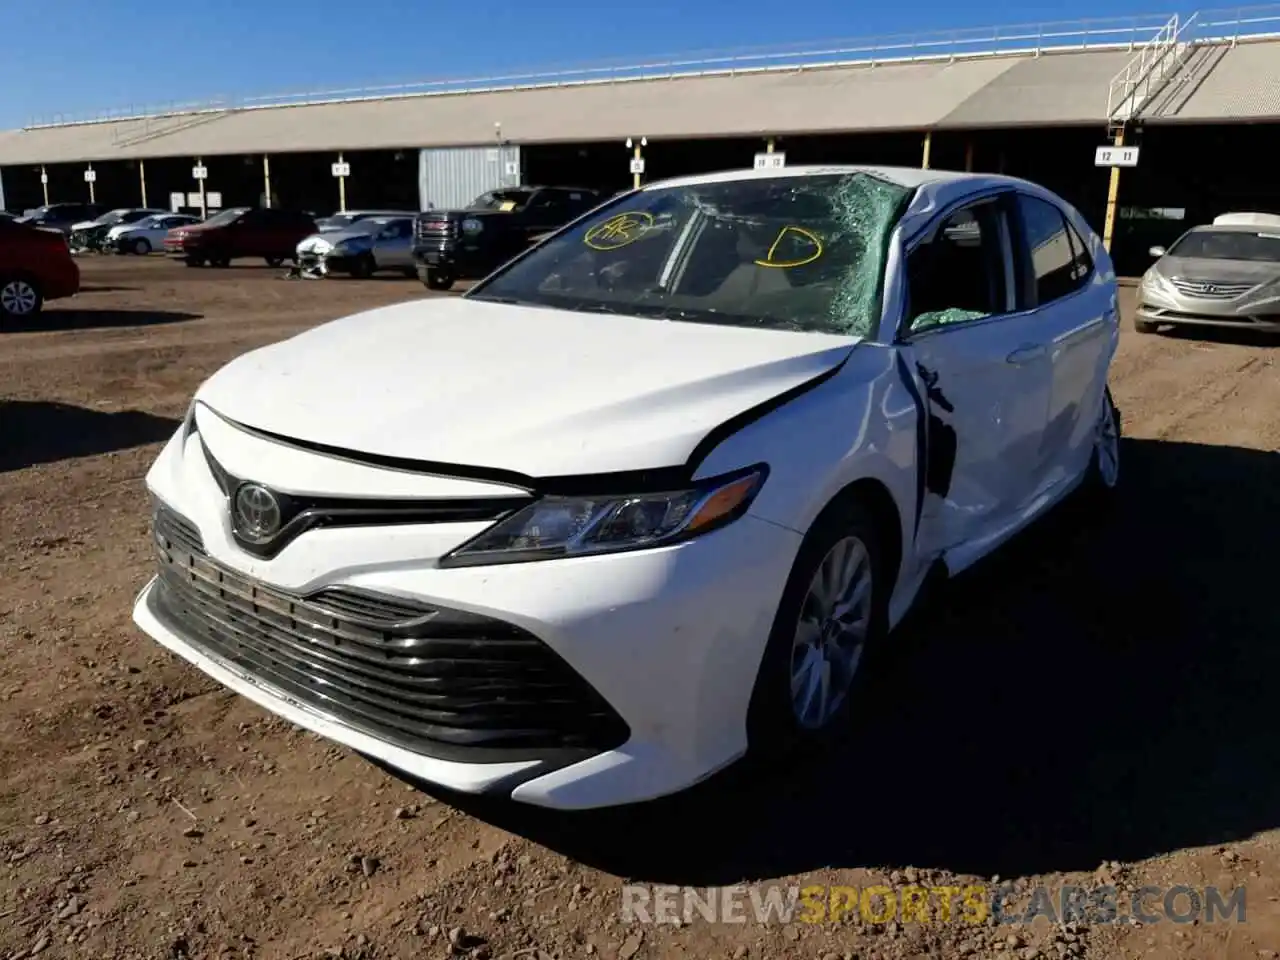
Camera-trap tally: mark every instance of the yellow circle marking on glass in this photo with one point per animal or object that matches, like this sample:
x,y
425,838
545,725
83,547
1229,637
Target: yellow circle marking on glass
x,y
812,238
618,231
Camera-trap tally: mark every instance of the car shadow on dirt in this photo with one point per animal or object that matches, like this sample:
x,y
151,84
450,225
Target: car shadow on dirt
x,y
1098,690
38,431
55,319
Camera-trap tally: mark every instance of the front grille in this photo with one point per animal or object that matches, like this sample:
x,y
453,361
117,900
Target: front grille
x,y
1210,289
432,229
440,682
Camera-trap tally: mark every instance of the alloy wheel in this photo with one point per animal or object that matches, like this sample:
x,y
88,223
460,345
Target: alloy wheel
x,y
831,635
18,298
1107,445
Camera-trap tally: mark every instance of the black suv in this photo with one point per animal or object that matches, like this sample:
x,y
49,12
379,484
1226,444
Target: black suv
x,y
61,216
452,245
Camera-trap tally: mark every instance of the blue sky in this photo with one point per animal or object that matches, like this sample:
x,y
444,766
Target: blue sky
x,y
78,56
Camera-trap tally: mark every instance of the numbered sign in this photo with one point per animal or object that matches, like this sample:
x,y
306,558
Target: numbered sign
x,y
1115,157
90,176
44,178
513,168
199,173
213,199
177,201
637,165
342,169
193,199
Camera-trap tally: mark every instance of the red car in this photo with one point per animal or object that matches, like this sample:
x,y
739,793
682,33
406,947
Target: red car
x,y
269,233
35,266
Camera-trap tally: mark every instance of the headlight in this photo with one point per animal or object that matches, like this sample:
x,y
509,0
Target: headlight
x,y
472,226
579,526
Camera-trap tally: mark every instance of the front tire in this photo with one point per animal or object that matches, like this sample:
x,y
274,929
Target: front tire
x,y
438,280
833,612
142,246
362,268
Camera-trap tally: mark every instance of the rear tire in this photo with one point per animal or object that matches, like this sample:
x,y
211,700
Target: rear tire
x,y
220,262
438,280
20,298
805,632
1103,477
142,246
195,261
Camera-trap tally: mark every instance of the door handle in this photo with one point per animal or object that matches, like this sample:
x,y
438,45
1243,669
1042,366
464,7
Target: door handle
x,y
1026,353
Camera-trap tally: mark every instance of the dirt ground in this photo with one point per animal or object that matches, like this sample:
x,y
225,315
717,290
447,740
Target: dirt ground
x,y
1094,705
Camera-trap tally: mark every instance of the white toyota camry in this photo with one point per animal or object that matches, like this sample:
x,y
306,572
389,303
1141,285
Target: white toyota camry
x,y
639,501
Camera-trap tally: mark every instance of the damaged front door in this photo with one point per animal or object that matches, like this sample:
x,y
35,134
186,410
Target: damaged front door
x,y
983,374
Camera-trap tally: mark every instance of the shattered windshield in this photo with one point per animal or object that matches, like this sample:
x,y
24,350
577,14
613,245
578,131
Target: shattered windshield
x,y
784,253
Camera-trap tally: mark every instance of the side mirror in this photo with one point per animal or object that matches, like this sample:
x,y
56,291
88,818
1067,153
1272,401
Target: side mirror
x,y
1157,252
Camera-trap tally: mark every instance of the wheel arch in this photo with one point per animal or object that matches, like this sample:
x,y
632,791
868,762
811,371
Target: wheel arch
x,y
873,494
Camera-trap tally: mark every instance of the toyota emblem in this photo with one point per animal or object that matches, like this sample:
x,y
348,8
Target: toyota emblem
x,y
256,513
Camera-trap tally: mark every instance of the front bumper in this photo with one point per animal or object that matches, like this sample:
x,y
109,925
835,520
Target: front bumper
x,y
1155,309
669,640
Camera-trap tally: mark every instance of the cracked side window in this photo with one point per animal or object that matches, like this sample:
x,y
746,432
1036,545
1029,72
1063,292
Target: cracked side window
x,y
959,275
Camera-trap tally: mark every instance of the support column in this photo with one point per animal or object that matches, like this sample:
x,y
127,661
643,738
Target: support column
x,y
928,147
636,155
1113,194
92,193
266,181
44,183
204,203
342,186
142,180
968,156
768,146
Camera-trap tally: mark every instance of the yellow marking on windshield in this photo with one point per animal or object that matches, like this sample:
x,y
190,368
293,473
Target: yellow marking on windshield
x,y
803,235
507,206
617,232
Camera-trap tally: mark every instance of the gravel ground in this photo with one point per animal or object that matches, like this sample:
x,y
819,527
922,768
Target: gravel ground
x,y
1090,706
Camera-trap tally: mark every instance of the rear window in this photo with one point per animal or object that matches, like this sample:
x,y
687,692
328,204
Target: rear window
x,y
1261,246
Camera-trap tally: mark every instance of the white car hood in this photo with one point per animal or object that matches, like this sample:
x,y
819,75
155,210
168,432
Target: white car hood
x,y
317,243
540,392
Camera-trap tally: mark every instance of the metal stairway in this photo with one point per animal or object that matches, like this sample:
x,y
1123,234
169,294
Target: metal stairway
x,y
152,130
1146,75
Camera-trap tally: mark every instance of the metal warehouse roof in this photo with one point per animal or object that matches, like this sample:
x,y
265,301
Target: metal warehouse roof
x,y
937,85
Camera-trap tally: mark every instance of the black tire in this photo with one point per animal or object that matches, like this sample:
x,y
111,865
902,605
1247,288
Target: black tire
x,y
438,280
20,298
220,262
195,261
141,246
274,261
363,266
1145,326
773,728
1103,479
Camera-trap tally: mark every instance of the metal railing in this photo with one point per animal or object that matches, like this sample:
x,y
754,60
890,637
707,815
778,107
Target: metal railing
x,y
1147,71
1028,39
1233,24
